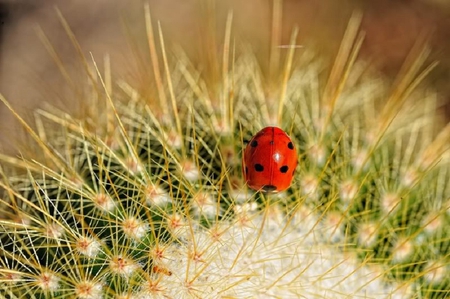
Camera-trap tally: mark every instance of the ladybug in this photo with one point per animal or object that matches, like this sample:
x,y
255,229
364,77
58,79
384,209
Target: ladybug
x,y
269,161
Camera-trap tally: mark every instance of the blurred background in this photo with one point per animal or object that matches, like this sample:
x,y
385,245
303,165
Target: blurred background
x,y
30,30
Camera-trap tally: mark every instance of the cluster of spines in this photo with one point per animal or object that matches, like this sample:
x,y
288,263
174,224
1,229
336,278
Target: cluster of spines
x,y
99,222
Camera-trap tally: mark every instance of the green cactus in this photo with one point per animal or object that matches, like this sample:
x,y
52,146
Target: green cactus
x,y
150,203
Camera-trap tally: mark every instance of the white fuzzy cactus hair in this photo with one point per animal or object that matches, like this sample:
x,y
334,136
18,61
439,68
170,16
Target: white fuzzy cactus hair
x,y
142,195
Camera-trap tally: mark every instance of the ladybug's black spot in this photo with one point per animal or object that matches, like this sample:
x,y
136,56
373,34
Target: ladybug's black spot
x,y
271,142
246,169
284,169
259,167
254,143
269,188
290,146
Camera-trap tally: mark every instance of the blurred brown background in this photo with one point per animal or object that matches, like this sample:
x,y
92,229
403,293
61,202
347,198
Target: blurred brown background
x,y
29,76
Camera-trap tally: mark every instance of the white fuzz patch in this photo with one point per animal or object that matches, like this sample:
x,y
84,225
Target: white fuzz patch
x,y
333,226
309,184
122,266
246,208
88,247
127,296
133,166
435,272
238,191
367,234
104,202
268,258
410,177
244,214
158,254
431,223
389,202
155,195
134,228
319,122
274,217
348,191
222,127
204,204
177,224
239,196
89,290
26,221
152,289
9,277
229,155
190,171
404,291
173,139
54,231
78,182
402,249
318,154
48,282
305,220
360,160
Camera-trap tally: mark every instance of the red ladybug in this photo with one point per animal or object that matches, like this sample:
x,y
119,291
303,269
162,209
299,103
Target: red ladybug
x,y
269,160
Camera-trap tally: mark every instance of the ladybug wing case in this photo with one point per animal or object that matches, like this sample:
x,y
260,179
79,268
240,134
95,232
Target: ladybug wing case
x,y
256,162
269,160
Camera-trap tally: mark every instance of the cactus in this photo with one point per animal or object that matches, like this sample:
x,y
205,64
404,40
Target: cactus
x,y
145,202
